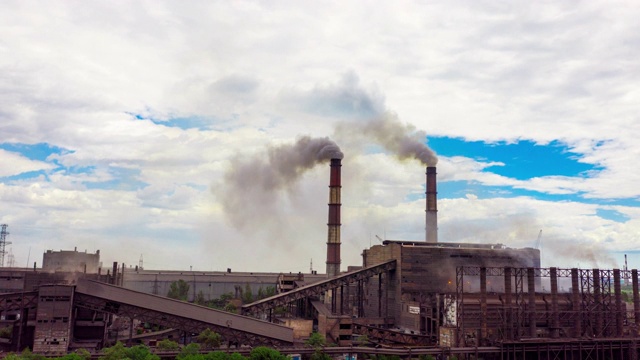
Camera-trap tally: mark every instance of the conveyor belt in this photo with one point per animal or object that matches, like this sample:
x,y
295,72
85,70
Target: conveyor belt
x,y
159,310
316,289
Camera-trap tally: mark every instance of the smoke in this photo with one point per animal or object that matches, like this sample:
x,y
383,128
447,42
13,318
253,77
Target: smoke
x,y
249,192
403,140
583,255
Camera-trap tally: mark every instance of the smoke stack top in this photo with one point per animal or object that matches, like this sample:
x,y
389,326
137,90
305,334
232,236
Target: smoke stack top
x,y
403,140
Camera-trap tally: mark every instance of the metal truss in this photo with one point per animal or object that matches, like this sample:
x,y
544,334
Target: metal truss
x,y
594,349
390,337
315,290
593,309
231,335
17,301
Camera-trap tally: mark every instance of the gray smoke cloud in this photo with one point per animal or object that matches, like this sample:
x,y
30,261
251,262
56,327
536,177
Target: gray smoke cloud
x,y
403,140
251,185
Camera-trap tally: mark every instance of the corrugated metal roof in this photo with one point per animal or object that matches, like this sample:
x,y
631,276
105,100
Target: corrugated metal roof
x,y
184,309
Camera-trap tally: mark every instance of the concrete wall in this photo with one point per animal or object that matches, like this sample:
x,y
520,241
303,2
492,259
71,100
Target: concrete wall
x,y
71,261
53,320
302,328
212,284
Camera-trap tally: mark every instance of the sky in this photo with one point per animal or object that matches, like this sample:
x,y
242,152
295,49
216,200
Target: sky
x,y
151,130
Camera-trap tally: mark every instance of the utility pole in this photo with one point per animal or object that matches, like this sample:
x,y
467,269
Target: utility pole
x,y
3,243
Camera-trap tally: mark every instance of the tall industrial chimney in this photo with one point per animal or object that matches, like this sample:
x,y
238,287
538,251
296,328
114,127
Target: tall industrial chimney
x,y
333,237
431,223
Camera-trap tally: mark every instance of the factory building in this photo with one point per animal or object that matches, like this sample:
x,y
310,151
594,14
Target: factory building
x,y
405,293
71,261
426,271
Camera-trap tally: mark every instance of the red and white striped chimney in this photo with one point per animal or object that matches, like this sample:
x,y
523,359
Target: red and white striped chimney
x,y
431,229
333,236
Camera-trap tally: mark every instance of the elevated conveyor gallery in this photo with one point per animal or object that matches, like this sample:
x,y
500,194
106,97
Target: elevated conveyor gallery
x,y
316,289
235,329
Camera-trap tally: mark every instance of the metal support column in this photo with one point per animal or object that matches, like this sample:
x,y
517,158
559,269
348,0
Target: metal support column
x,y
483,305
555,318
380,295
617,289
508,309
597,303
459,305
636,299
531,289
576,302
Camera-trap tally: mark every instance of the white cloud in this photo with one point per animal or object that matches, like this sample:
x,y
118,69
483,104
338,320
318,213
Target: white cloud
x,y
259,73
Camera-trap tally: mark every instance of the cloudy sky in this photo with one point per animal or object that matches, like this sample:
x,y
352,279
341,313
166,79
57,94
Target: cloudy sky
x,y
146,129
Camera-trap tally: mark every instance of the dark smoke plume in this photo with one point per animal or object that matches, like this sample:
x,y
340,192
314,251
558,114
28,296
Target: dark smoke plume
x,y
404,140
250,187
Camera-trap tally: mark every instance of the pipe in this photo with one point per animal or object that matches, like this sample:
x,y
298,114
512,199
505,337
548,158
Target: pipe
x,y
431,221
333,236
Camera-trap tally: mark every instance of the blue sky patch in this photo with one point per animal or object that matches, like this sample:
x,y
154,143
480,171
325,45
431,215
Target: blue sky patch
x,y
40,151
459,189
522,160
612,215
184,123
23,176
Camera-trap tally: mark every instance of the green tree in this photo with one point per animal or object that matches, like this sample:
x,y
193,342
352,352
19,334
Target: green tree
x,y
221,302
83,353
362,340
217,355
119,352
209,339
141,352
265,353
230,308
200,300
168,345
71,356
115,352
26,354
179,290
237,356
189,352
271,291
316,340
6,332
247,295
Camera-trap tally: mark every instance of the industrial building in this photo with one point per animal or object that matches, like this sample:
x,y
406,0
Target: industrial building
x,y
427,296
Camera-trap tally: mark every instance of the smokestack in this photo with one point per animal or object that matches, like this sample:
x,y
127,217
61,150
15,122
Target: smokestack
x,y
333,237
431,223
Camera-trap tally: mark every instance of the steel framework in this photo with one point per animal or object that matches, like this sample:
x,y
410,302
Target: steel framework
x,y
592,309
3,242
265,306
234,329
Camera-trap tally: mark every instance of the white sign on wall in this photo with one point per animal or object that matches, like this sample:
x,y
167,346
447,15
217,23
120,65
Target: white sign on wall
x,y
414,310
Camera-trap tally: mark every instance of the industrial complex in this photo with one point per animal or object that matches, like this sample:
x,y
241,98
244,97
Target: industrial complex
x,y
472,301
